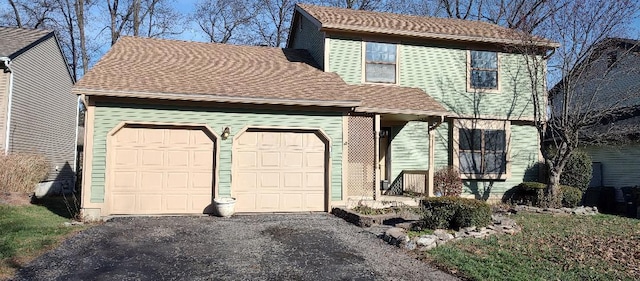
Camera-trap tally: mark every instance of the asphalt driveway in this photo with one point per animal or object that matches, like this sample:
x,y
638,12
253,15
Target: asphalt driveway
x,y
248,247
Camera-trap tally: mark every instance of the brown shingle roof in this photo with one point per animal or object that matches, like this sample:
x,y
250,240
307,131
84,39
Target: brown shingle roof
x,y
179,70
396,99
332,18
13,40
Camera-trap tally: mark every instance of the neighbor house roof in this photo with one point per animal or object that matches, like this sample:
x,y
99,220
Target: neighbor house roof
x,y
180,70
340,19
14,41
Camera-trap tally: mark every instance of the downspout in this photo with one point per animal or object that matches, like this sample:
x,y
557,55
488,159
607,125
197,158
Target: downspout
x,y
75,150
7,64
432,153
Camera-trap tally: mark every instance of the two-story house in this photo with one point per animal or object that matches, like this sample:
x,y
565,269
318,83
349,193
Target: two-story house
x,y
38,113
604,96
358,102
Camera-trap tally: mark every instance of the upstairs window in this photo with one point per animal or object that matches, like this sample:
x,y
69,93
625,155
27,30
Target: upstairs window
x,y
380,63
483,70
482,151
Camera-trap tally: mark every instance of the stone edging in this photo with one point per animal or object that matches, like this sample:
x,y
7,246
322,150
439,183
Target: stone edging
x,y
370,220
582,210
397,236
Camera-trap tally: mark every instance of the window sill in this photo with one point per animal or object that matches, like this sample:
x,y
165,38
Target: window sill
x,y
488,91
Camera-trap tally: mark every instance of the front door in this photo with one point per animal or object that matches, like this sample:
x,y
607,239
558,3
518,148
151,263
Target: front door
x,y
384,156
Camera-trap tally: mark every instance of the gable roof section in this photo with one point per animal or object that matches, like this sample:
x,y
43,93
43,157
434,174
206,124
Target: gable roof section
x,y
180,70
14,41
340,19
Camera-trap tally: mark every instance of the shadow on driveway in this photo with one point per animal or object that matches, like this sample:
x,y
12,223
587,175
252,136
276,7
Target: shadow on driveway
x,y
250,247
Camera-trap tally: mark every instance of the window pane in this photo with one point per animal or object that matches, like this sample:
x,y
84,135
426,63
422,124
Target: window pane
x,y
471,162
486,60
380,52
484,79
470,139
380,73
495,163
495,140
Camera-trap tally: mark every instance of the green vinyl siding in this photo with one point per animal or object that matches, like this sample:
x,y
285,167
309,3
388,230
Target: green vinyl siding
x,y
442,153
409,148
107,116
619,164
345,59
524,156
310,38
442,73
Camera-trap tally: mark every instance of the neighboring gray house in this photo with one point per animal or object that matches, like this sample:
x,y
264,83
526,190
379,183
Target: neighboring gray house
x,y
37,110
608,82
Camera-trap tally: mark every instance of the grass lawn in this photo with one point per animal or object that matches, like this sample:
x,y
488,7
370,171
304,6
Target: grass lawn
x,y
28,231
602,247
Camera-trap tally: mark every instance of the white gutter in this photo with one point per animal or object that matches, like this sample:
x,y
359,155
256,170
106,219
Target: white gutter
x,y
7,64
75,149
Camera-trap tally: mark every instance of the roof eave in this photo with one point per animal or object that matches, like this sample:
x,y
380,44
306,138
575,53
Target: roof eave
x,y
215,98
429,35
402,111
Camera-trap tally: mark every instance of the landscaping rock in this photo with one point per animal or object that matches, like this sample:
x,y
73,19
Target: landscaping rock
x,y
395,236
427,240
443,235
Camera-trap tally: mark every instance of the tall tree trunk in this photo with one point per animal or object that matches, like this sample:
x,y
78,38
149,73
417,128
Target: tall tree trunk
x,y
136,18
83,42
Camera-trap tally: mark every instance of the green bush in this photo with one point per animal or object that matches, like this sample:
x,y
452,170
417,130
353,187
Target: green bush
x,y
455,212
571,196
577,171
447,182
526,193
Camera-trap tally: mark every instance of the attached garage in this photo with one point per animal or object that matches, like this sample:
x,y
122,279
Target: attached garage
x,y
280,170
160,169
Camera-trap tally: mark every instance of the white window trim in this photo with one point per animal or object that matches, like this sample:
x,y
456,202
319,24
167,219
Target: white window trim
x,y
364,62
470,88
481,124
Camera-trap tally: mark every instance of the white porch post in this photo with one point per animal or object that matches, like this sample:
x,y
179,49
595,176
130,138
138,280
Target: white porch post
x,y
432,161
376,170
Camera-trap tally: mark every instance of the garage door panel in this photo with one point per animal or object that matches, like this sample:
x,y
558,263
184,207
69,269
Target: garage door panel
x,y
124,180
269,140
176,203
177,180
293,160
314,180
246,181
314,201
269,180
314,159
149,202
152,157
177,159
151,180
128,157
202,159
127,135
292,140
269,201
292,202
123,203
160,170
269,159
202,180
245,202
290,172
246,159
293,179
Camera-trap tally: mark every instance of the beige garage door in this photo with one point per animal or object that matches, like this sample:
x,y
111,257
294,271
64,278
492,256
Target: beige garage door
x,y
279,172
160,170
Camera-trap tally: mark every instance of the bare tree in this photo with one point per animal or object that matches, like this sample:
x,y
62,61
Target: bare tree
x,y
222,20
582,106
273,21
16,12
